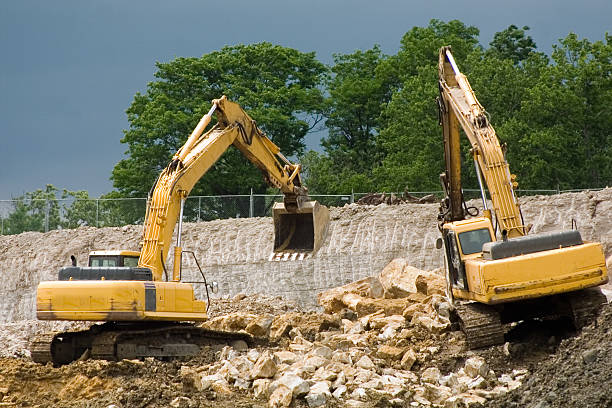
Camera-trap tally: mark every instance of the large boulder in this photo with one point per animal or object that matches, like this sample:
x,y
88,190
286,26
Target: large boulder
x,y
399,280
366,306
331,299
280,398
230,322
264,367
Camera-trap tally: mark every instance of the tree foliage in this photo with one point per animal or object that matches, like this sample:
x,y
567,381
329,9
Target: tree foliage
x,y
361,83
512,44
410,138
552,112
278,86
48,209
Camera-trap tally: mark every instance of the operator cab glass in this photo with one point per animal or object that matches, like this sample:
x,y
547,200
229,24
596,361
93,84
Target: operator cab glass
x,y
471,241
103,261
131,261
113,260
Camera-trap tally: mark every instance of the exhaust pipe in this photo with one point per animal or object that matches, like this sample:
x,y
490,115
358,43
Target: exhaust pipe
x,y
302,230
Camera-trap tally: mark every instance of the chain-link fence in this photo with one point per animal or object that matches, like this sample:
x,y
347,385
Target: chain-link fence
x,y
17,216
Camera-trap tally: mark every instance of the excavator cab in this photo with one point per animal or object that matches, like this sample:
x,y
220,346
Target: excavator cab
x,y
465,240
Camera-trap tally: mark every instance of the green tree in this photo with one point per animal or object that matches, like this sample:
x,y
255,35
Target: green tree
x,y
358,90
360,85
114,209
584,69
323,176
82,211
410,138
279,87
560,136
513,43
34,211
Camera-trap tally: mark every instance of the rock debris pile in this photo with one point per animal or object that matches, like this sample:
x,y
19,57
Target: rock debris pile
x,y
385,338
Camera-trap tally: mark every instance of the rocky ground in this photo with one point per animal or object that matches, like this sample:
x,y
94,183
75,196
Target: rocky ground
x,y
382,340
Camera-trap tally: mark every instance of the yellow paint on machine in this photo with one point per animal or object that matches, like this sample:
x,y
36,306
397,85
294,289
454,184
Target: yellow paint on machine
x,y
535,275
118,301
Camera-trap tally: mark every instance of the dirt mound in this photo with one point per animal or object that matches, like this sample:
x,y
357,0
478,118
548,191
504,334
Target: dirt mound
x,y
577,375
382,198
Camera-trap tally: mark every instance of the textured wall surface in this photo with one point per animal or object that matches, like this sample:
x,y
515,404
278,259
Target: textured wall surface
x,y
360,242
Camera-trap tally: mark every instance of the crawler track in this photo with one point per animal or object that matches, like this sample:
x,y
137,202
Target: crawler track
x,y
116,341
481,324
586,305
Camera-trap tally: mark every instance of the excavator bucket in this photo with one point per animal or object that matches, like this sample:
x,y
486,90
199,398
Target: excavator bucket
x,y
303,230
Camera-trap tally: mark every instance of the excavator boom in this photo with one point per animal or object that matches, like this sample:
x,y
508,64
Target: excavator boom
x,y
460,107
299,223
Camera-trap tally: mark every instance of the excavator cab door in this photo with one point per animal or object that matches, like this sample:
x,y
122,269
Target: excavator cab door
x,y
455,266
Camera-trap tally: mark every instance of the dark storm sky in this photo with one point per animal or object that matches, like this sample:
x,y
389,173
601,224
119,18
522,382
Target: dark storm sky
x,y
69,69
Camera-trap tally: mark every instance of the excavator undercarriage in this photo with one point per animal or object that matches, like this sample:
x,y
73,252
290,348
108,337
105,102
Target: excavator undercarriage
x,y
129,340
485,325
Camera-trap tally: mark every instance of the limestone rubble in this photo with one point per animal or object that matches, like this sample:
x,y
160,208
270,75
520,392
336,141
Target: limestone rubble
x,y
363,347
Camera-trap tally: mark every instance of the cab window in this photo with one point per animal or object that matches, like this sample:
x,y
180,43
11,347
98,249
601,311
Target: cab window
x,y
131,261
103,261
471,241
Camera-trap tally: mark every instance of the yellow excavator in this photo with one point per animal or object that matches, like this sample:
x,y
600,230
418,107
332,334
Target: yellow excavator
x,y
144,306
522,275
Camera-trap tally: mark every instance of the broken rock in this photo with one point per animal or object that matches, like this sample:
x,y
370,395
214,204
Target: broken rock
x,y
295,384
476,366
261,387
265,367
365,362
260,327
431,375
399,279
318,395
331,299
390,352
281,397
408,359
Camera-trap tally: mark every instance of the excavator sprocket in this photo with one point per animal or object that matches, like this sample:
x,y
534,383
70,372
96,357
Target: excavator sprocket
x,y
481,324
116,341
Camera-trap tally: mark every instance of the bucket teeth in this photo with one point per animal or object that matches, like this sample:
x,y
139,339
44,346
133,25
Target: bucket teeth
x,y
288,256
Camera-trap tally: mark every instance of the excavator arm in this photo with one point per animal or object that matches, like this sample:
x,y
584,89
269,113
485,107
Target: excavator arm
x,y
459,107
234,127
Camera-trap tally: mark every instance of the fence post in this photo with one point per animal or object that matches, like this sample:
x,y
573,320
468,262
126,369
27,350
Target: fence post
x,y
199,207
352,196
97,213
47,215
251,205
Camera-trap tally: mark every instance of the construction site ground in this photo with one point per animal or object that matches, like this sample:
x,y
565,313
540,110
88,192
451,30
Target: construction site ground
x,y
378,340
